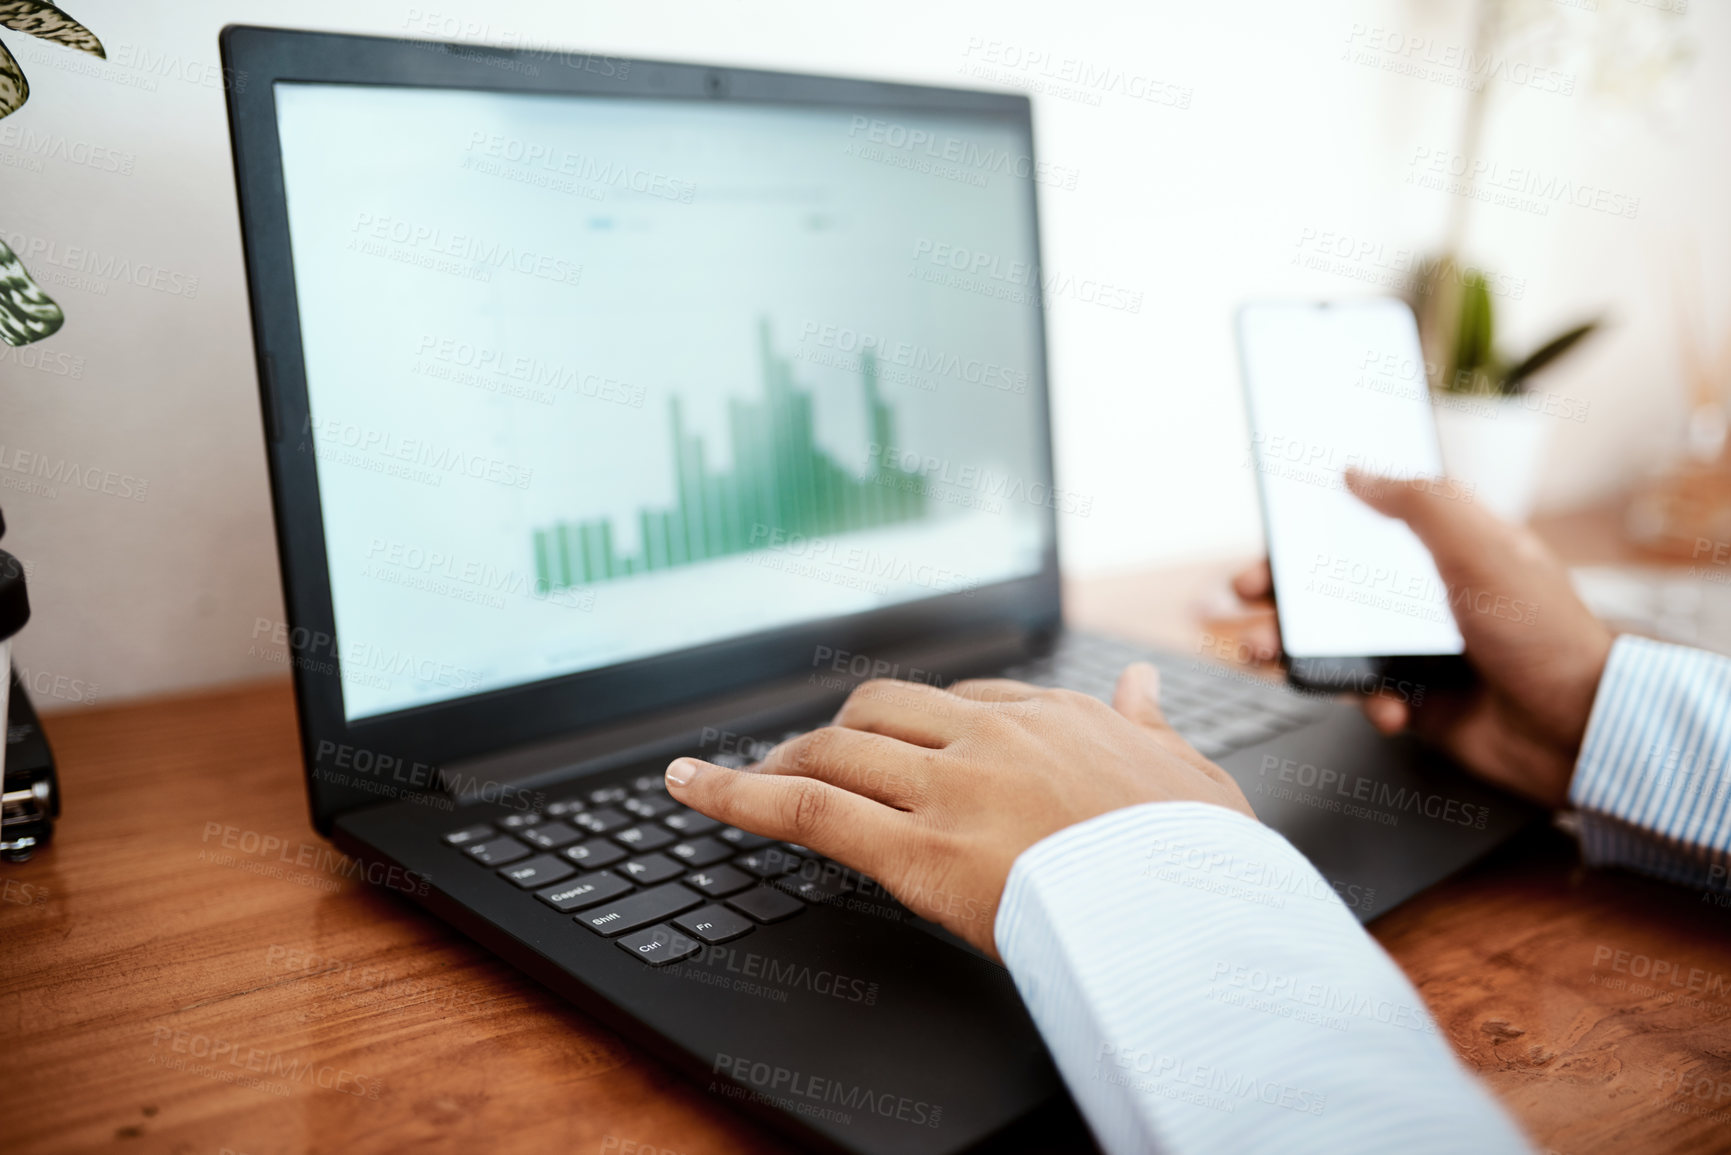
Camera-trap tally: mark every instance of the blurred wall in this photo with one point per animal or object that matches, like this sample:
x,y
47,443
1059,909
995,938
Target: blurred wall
x,y
1220,151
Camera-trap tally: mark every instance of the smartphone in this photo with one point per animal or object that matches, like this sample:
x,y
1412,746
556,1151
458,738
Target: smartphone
x,y
1331,385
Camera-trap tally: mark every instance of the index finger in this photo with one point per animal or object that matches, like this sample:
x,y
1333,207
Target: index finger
x,y
1441,511
854,830
1470,544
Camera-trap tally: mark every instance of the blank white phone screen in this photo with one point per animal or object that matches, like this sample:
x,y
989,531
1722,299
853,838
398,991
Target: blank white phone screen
x,y
1332,386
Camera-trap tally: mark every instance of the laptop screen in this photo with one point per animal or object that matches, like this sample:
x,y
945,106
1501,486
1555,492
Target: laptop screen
x,y
593,379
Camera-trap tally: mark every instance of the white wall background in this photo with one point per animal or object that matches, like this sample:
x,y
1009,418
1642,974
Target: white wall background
x,y
1288,138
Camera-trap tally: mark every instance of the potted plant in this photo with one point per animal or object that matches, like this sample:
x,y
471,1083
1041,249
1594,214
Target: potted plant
x,y
26,312
1493,427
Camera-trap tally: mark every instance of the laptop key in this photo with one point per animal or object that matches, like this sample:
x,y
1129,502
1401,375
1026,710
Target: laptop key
x,y
650,805
594,854
811,889
766,905
607,795
643,837
743,839
659,945
689,822
519,821
538,871
650,869
701,851
602,821
768,862
649,784
469,834
550,835
641,909
497,851
713,923
719,881
600,886
565,806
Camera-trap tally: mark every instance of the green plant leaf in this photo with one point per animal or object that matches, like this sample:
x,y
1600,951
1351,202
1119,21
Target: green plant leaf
x,y
26,313
1475,332
47,22
1550,351
14,89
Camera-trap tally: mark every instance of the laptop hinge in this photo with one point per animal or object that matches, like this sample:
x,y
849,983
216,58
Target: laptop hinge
x,y
733,722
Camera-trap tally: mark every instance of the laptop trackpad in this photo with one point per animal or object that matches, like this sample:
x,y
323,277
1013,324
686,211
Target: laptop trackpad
x,y
1382,818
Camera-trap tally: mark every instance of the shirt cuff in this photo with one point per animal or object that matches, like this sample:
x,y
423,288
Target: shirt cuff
x,y
1195,828
1202,987
1651,784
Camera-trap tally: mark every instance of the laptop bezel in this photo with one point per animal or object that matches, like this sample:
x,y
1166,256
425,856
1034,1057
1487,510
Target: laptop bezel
x,y
437,733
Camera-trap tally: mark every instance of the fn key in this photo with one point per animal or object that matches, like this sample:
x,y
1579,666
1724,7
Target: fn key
x,y
713,924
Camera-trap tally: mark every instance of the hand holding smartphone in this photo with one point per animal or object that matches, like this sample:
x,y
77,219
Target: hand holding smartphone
x,y
1332,386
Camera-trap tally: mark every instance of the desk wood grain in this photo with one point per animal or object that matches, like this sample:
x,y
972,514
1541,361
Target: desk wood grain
x,y
185,972
347,1021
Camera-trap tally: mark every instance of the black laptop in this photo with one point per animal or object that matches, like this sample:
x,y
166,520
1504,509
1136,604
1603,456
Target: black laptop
x,y
618,410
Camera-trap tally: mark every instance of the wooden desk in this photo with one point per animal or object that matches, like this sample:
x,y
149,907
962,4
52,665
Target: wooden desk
x,y
139,944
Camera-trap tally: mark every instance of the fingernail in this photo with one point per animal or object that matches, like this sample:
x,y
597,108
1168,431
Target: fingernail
x,y
683,771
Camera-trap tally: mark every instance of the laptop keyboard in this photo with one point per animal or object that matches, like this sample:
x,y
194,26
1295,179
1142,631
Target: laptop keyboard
x,y
628,863
1216,708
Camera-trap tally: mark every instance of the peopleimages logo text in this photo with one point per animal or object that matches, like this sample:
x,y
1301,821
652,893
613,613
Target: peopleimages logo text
x,y
322,858
100,266
1362,789
775,1080
482,252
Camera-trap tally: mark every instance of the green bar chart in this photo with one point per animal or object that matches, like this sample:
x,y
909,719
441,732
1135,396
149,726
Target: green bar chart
x,y
781,483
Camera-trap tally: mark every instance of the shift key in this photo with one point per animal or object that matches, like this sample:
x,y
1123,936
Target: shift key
x,y
641,909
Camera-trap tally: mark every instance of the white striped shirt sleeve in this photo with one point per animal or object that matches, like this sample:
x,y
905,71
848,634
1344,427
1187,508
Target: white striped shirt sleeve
x,y
1651,788
1203,989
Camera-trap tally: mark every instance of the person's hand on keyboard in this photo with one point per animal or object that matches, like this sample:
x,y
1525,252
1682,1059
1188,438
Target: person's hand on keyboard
x,y
933,793
1538,651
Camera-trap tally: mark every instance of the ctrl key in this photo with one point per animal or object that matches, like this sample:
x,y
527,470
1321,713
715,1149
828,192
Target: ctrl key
x,y
659,945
